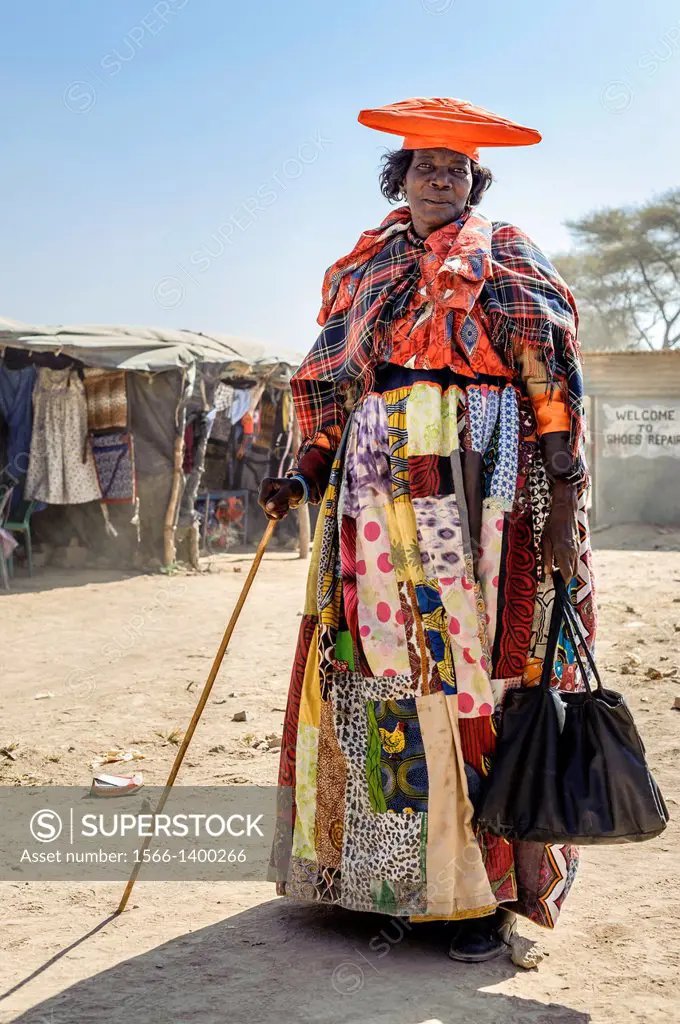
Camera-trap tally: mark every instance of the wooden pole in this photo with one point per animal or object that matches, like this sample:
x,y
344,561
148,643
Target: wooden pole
x,y
204,525
193,547
304,530
193,483
170,522
171,511
203,700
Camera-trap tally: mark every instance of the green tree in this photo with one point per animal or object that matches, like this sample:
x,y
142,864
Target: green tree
x,y
625,273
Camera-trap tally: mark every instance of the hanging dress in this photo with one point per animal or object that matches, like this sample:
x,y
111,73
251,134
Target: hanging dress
x,y
61,468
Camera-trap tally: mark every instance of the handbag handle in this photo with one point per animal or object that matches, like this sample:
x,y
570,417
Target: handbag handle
x,y
575,630
556,619
563,614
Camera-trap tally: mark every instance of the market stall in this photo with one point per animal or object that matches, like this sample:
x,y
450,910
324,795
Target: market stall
x,y
106,438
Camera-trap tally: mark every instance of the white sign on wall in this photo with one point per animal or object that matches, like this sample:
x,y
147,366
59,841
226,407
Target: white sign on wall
x,y
648,428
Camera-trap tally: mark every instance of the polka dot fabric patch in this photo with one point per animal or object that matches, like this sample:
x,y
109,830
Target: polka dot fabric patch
x,y
463,606
380,614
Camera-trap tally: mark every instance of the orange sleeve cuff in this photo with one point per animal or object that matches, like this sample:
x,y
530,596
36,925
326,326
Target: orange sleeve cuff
x,y
551,413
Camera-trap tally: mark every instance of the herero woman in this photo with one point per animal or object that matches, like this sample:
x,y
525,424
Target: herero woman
x,y
442,424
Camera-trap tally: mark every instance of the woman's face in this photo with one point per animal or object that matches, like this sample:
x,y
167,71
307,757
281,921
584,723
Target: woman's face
x,y
437,186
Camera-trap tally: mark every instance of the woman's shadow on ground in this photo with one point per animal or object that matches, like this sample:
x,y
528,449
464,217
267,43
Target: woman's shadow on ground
x,y
289,963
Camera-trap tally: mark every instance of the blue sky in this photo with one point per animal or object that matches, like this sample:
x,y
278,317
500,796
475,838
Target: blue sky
x,y
198,163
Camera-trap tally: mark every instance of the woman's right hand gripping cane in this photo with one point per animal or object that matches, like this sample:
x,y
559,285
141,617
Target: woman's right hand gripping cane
x,y
278,495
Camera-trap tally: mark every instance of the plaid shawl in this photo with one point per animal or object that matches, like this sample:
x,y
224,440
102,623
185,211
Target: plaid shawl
x,y
471,260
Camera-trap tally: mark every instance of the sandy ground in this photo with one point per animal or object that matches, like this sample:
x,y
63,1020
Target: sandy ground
x,y
124,657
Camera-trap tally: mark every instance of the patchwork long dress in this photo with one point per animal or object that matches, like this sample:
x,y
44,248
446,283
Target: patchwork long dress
x,y
425,602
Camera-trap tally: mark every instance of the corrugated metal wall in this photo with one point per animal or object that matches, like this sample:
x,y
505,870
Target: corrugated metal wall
x,y
628,393
632,373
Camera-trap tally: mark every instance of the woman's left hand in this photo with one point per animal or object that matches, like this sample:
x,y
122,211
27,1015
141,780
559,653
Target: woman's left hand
x,y
560,538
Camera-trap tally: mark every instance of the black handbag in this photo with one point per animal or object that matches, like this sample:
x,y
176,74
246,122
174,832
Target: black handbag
x,y
570,767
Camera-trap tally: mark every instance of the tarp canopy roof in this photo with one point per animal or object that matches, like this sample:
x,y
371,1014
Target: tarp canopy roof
x,y
141,348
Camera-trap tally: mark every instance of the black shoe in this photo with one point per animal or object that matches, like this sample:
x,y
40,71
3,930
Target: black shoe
x,y
477,939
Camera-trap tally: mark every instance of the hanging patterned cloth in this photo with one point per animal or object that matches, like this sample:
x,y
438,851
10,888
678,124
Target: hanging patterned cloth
x,y
106,399
114,460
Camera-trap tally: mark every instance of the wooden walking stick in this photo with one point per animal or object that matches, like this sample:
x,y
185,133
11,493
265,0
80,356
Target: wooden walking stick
x,y
188,735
